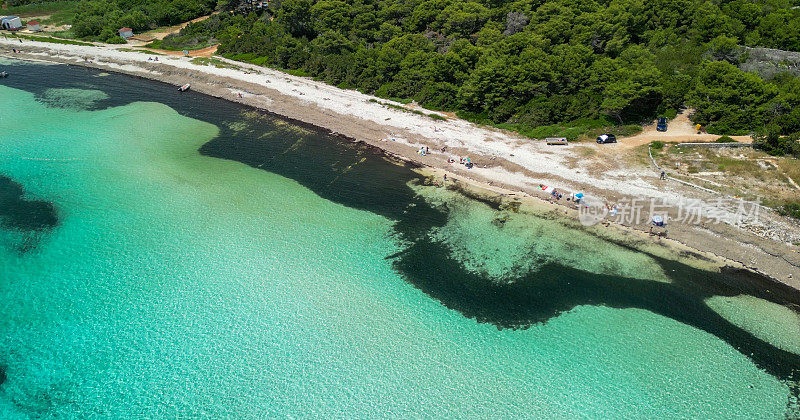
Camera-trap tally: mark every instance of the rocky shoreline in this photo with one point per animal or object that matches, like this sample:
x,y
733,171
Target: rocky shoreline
x,y
505,164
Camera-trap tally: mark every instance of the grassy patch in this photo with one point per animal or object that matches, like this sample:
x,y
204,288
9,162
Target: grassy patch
x,y
791,209
59,12
51,40
618,130
639,156
140,51
735,165
585,152
297,72
554,130
413,111
161,45
747,173
790,168
578,130
725,139
68,34
400,100
216,62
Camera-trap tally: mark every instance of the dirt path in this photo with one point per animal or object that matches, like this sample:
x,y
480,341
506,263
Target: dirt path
x,y
680,130
203,52
161,33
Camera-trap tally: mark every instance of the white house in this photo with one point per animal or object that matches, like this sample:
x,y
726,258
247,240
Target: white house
x,y
11,23
33,26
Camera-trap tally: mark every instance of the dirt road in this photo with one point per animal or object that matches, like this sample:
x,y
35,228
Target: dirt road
x,y
680,130
161,33
203,52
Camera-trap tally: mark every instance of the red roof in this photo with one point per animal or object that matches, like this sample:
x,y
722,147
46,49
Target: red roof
x,y
126,30
33,22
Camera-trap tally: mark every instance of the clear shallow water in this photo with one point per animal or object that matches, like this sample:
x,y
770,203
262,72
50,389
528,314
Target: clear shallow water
x,y
208,261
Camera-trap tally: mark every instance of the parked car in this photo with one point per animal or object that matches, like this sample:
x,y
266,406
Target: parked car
x,y
662,124
606,138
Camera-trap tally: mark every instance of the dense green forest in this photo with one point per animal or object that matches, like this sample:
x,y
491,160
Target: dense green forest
x,y
99,20
537,66
533,63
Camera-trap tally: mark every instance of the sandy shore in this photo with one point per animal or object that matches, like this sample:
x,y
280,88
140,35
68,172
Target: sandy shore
x,y
505,164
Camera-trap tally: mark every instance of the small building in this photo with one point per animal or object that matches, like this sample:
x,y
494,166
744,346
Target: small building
x,y
33,26
11,23
126,33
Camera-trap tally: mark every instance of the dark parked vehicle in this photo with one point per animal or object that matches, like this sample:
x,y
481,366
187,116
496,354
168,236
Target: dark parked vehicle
x,y
606,138
662,124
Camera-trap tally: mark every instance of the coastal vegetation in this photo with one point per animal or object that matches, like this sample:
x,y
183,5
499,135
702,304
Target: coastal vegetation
x,y
216,62
149,52
413,111
54,13
51,40
771,141
64,9
193,37
747,173
101,19
276,232
791,209
541,68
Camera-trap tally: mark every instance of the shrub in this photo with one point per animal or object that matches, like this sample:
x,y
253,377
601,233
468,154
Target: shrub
x,y
669,113
657,145
791,209
725,139
52,40
770,141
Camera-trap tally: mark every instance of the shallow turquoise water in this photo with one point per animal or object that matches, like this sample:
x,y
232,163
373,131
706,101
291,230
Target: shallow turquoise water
x,y
180,284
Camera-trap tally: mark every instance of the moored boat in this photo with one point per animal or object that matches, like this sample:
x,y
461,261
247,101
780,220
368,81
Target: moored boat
x,y
185,87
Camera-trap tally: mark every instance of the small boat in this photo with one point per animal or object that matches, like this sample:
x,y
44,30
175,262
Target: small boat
x,y
3,74
184,88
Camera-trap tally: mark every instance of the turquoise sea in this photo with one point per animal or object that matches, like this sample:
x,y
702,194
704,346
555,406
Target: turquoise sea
x,y
170,255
